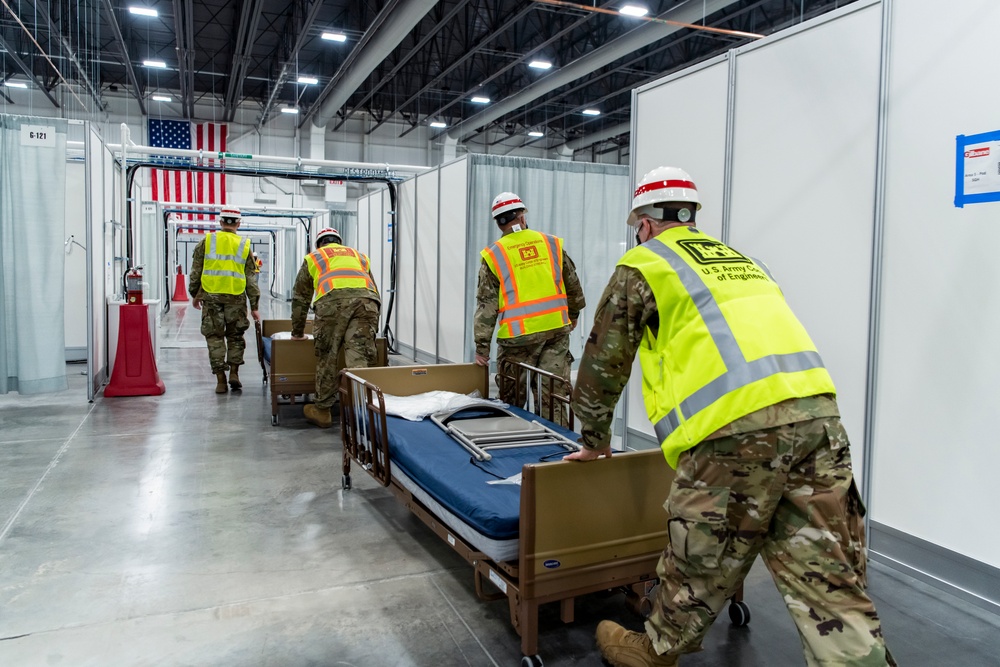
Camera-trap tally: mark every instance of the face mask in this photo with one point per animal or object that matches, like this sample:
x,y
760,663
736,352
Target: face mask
x,y
638,241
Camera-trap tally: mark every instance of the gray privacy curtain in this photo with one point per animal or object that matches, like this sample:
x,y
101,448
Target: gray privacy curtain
x,y
32,213
584,203
346,222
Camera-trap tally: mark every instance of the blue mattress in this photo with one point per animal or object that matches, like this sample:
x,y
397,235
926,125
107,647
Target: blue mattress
x,y
446,471
266,341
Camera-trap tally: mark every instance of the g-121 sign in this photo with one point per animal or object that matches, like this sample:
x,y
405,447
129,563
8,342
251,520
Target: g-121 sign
x,y
38,135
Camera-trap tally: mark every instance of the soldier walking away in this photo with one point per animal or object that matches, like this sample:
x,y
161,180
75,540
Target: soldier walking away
x,y
222,279
746,413
527,280
337,281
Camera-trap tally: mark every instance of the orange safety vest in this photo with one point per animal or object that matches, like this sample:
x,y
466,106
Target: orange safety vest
x,y
532,293
338,267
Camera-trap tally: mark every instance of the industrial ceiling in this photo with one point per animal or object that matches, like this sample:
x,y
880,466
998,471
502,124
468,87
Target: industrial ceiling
x,y
412,62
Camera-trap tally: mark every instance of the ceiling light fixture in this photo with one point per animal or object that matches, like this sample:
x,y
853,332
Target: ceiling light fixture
x,y
308,80
540,64
15,84
158,64
143,11
289,110
536,133
478,99
438,124
653,19
591,112
334,36
633,10
162,98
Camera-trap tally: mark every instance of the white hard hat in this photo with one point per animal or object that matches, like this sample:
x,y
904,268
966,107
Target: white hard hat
x,y
659,186
230,212
505,201
328,231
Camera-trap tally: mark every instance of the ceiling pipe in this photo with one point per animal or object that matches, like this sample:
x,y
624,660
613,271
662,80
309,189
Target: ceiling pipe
x,y
572,146
650,33
393,24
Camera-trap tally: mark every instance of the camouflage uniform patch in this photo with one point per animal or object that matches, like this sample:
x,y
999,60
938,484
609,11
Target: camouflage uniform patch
x,y
223,326
342,324
787,493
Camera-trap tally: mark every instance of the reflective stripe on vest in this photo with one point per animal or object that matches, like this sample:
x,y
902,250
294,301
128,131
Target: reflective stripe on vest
x,y
529,302
224,270
338,267
739,372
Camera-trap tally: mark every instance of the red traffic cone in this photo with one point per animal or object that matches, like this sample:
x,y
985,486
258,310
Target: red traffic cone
x,y
135,371
180,289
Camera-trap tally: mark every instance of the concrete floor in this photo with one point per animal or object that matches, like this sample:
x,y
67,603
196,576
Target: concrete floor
x,y
185,530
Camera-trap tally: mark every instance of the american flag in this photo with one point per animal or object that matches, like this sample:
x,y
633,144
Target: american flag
x,y
188,187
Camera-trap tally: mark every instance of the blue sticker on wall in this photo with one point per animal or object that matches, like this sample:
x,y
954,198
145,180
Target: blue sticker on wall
x,y
551,564
977,168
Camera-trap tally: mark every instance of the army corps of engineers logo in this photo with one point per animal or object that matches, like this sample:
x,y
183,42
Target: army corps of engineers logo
x,y
705,251
528,253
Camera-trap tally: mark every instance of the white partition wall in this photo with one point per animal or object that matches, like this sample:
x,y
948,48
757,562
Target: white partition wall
x,y
803,183
936,457
843,171
454,322
101,179
425,284
682,121
403,323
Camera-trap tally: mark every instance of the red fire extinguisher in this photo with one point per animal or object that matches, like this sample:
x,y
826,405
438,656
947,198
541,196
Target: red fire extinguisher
x,y
133,286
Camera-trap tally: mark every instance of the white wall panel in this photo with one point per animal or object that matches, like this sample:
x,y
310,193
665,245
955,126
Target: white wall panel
x,y
680,121
364,215
803,180
75,302
428,267
376,216
406,258
454,321
936,458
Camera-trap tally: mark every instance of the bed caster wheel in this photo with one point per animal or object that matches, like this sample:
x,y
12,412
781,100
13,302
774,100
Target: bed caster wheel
x,y
274,420
640,606
532,661
739,614
345,482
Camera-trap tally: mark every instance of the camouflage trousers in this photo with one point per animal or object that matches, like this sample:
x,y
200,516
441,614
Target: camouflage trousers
x,y
223,326
788,494
550,355
342,326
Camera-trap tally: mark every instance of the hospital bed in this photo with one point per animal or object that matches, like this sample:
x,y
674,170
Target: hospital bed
x,y
290,365
567,530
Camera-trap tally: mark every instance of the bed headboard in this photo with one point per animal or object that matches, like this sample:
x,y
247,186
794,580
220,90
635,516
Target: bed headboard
x,y
575,515
410,380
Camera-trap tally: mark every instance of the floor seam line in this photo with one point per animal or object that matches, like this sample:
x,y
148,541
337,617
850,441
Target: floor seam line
x,y
52,464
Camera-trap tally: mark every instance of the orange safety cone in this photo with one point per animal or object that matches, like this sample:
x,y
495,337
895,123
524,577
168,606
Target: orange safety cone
x,y
180,290
135,371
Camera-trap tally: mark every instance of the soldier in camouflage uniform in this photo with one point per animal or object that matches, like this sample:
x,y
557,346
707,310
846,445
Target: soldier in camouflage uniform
x,y
775,480
543,340
220,286
347,311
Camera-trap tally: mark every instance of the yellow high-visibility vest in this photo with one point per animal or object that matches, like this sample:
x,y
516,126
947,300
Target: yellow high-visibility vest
x,y
532,293
727,343
225,263
336,267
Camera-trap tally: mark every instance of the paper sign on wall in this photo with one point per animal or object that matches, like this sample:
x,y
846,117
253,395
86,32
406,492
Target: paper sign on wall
x,y
38,135
977,168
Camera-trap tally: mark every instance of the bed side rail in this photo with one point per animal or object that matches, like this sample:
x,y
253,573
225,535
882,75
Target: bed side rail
x,y
530,381
362,427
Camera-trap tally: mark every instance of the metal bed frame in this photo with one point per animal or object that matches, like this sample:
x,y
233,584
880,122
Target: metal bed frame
x,y
615,547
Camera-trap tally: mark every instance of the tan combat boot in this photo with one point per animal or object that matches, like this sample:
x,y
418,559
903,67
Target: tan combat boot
x,y
317,416
624,648
234,377
220,387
